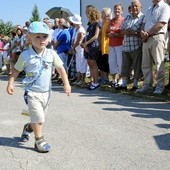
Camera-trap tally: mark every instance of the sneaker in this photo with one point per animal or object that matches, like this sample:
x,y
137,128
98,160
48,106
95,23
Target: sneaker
x,y
112,84
144,89
120,87
27,130
41,145
93,87
159,90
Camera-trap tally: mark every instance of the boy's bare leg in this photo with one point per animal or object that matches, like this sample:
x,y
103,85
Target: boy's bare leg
x,y
37,129
40,144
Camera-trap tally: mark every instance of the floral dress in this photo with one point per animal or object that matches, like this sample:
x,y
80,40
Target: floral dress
x,y
93,48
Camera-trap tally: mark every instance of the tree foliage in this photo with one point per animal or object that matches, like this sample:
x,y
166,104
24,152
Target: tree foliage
x,y
35,14
6,27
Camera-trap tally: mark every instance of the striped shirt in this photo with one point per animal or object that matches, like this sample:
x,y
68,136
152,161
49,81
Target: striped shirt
x,y
132,43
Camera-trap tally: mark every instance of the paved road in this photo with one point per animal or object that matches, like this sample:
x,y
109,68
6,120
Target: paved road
x,y
90,130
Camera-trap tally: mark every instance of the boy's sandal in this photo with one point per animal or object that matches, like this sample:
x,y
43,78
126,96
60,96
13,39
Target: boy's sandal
x,y
41,145
25,137
26,133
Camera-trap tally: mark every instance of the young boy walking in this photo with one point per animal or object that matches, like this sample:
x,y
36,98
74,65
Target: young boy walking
x,y
37,62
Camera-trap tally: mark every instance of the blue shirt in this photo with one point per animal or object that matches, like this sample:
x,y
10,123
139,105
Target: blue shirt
x,y
64,38
33,64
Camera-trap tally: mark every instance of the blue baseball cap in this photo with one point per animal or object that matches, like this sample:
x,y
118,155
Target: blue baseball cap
x,y
38,27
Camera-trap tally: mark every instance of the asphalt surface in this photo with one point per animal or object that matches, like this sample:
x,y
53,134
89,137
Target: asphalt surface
x,y
90,130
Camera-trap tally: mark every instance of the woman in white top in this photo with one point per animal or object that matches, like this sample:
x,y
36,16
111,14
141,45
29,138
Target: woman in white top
x,y
81,62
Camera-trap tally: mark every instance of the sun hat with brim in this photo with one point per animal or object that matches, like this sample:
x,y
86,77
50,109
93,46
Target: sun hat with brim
x,y
37,27
75,19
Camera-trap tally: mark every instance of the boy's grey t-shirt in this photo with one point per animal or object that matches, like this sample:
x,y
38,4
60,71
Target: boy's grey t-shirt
x,y
32,64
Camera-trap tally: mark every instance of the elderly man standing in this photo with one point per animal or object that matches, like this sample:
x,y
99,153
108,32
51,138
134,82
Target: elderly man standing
x,y
132,47
153,35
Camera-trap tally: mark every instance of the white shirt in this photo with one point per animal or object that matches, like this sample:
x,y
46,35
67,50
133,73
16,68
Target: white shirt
x,y
76,32
158,13
55,33
50,35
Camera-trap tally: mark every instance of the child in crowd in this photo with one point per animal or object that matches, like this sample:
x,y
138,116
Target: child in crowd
x,y
6,57
37,62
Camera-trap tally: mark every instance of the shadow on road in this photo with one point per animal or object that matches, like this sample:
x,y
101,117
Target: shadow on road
x,y
163,141
140,108
13,142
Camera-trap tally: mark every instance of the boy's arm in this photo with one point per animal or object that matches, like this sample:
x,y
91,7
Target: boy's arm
x,y
63,74
10,86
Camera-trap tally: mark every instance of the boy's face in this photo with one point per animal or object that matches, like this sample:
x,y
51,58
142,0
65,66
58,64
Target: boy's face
x,y
39,41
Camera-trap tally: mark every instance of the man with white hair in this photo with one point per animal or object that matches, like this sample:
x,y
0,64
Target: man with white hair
x,y
132,47
153,35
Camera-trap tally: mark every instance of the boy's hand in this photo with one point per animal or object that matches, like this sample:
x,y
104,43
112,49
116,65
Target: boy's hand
x,y
67,89
10,89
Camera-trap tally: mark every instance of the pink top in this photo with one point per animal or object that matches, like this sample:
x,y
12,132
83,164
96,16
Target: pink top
x,y
1,46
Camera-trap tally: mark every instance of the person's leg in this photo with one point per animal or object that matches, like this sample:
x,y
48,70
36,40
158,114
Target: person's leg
x,y
90,69
38,105
112,63
94,74
94,69
119,50
78,62
105,68
157,51
137,62
37,129
27,130
147,63
83,67
126,65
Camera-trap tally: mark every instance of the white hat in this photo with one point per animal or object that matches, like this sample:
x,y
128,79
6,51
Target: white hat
x,y
75,19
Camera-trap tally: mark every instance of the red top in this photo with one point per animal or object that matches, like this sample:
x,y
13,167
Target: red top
x,y
114,27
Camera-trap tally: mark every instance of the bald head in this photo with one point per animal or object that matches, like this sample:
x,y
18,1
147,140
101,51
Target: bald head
x,y
136,2
136,7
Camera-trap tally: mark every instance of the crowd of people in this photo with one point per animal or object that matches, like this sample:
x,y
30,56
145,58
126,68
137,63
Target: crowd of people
x,y
112,49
